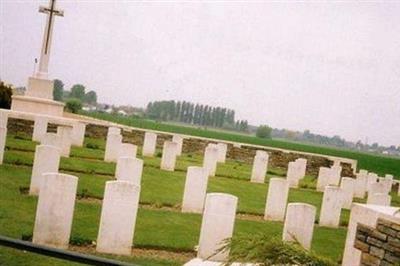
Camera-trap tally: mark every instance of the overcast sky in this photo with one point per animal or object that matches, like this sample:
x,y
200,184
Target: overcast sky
x,y
332,68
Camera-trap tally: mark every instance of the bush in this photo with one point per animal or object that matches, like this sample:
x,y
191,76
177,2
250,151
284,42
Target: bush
x,y
5,96
265,250
264,132
73,105
92,146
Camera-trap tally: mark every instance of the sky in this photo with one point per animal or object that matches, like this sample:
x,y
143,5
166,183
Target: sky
x,y
329,67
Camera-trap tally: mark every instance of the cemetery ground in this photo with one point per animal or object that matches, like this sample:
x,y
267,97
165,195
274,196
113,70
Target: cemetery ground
x,y
380,164
163,235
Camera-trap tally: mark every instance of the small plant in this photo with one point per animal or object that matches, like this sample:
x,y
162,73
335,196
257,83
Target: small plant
x,y
159,154
92,146
26,237
23,190
265,251
18,162
80,241
83,194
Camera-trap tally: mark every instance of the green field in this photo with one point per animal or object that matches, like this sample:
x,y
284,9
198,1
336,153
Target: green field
x,y
160,226
379,164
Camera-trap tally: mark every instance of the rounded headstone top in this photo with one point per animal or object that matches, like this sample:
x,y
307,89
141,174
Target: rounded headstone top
x,y
220,204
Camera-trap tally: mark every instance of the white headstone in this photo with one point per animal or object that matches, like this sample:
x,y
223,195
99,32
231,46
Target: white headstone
x,y
118,218
387,183
129,169
168,159
210,159
51,139
324,176
55,210
260,166
78,134
332,203
347,185
299,224
47,160
114,130
65,133
335,175
3,119
372,178
360,186
222,149
303,166
261,153
149,144
275,207
294,173
217,225
195,190
178,140
382,199
39,128
127,150
113,145
3,137
377,188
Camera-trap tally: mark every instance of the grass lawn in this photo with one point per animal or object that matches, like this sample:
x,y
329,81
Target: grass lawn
x,y
157,227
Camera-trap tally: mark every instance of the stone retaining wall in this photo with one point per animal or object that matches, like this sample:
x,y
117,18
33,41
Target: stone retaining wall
x,y
380,245
278,159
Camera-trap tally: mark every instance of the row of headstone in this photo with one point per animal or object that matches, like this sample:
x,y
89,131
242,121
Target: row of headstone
x,y
57,199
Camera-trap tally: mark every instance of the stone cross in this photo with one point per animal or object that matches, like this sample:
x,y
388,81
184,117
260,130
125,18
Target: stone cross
x,y
51,12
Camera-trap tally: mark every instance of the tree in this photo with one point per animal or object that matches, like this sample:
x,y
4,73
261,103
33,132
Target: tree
x,y
58,90
5,96
91,97
264,132
78,92
73,105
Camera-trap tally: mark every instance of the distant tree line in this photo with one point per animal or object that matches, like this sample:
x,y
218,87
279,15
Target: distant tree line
x,y
195,114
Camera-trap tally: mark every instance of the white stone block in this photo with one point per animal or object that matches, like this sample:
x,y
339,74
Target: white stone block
x,y
55,210
195,189
347,185
39,128
294,174
210,159
149,144
335,175
46,160
129,169
168,159
382,199
113,146
260,167
332,203
275,207
127,150
217,225
360,186
178,140
222,149
366,215
114,130
118,218
78,134
3,137
65,133
3,119
261,153
299,224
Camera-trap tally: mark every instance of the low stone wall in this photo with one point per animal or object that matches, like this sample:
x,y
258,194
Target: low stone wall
x,y
380,245
277,159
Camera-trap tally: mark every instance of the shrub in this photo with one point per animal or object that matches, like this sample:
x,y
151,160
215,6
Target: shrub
x,y
264,132
265,250
5,96
73,105
92,146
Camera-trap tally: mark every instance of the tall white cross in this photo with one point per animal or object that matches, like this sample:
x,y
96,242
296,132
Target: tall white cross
x,y
42,72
